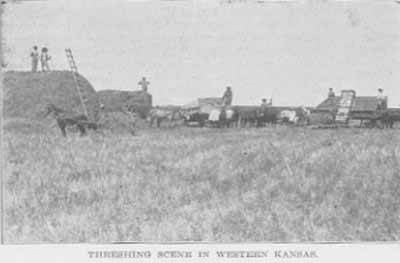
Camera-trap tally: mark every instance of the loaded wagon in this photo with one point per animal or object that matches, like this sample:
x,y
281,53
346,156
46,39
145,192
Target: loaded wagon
x,y
351,110
197,112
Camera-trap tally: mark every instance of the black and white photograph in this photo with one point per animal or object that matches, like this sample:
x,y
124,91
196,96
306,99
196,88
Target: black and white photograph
x,y
217,121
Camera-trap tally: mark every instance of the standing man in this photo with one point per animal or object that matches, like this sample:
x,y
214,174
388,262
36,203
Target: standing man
x,y
264,103
331,94
144,84
44,59
35,58
382,99
227,97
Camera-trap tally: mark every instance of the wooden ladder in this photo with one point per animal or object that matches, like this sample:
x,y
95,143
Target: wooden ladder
x,y
74,71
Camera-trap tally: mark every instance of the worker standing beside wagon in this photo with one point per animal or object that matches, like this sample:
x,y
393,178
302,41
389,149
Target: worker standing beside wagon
x,y
331,93
266,103
227,97
382,100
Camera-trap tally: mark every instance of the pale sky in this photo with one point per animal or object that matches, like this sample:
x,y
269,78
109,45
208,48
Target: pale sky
x,y
292,51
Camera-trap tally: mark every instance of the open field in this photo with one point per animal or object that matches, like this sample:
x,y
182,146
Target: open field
x,y
283,184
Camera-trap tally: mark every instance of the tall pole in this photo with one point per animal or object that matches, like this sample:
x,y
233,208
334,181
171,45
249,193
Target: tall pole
x,y
2,217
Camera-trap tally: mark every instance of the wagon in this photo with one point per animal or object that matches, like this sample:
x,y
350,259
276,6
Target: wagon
x,y
349,110
196,113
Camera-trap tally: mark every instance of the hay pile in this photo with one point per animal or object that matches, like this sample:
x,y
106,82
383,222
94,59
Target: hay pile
x,y
118,122
25,126
26,94
123,111
139,102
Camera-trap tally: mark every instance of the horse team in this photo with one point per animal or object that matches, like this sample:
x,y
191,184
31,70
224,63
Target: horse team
x,y
232,116
222,117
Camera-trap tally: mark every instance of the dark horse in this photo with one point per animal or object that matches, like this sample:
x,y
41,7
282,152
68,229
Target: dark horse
x,y
63,120
266,116
389,117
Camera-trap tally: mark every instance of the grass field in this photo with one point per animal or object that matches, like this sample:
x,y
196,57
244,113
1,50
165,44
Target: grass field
x,y
193,184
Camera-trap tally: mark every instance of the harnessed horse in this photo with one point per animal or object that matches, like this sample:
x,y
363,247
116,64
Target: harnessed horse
x,y
158,115
63,120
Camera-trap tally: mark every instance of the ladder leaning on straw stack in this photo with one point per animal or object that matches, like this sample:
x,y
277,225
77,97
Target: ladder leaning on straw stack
x,y
74,70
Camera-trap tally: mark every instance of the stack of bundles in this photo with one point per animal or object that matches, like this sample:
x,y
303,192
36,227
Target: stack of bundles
x,y
27,94
204,105
139,102
123,111
393,112
169,107
118,122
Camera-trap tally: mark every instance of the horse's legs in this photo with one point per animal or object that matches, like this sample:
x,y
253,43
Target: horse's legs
x,y
82,129
62,125
64,133
92,126
152,120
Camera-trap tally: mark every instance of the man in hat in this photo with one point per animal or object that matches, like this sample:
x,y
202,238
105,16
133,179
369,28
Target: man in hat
x,y
382,99
227,97
266,103
44,59
144,84
331,94
35,58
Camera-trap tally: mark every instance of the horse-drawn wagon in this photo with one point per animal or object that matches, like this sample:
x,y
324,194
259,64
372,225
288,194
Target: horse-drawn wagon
x,y
197,112
212,112
351,110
